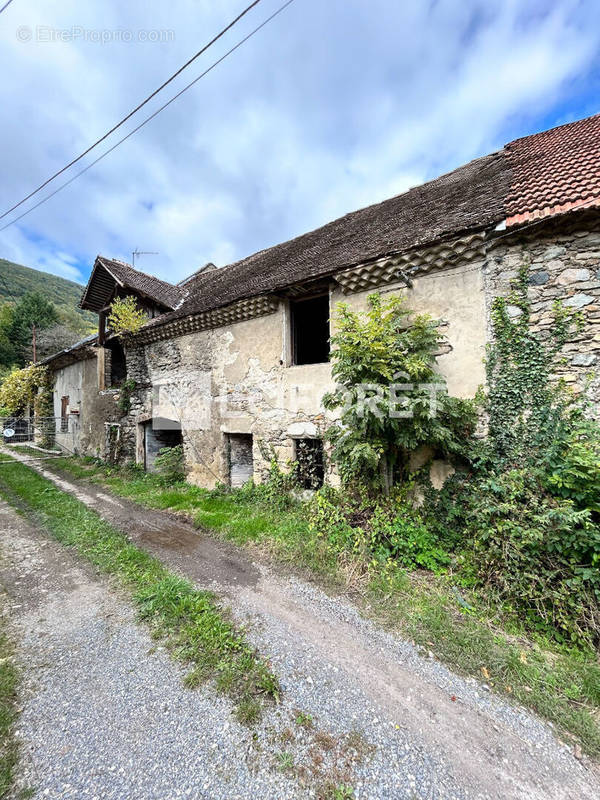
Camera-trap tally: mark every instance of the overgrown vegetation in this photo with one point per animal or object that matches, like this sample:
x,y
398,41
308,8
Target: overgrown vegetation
x,y
126,389
126,316
520,520
525,517
19,388
499,571
392,398
196,629
461,625
169,464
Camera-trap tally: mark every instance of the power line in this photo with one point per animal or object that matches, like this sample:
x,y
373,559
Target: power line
x,y
135,110
6,5
145,121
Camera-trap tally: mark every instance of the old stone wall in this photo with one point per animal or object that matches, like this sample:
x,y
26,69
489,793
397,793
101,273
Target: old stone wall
x,y
564,265
99,425
237,379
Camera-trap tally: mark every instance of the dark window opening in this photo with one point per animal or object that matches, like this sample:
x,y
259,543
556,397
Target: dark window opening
x,y
64,414
118,366
311,466
310,330
241,462
156,438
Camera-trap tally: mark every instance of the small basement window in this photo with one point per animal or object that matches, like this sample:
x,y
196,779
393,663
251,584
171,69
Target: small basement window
x,y
309,456
310,330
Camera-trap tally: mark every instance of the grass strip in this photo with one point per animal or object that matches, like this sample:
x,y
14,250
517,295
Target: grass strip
x,y
560,683
196,629
9,680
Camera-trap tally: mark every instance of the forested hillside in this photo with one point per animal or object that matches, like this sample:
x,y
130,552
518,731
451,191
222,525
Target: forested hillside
x,y
33,301
18,280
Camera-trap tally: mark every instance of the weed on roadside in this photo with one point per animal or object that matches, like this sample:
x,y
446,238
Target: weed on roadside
x,y
196,629
459,627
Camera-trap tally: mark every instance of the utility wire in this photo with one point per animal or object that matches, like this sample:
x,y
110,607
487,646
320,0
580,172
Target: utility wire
x,y
145,121
6,5
135,110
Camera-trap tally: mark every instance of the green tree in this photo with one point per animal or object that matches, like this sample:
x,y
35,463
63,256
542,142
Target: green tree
x,y
8,356
33,309
390,394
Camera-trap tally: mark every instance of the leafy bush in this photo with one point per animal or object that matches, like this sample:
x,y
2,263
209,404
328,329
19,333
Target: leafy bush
x,y
538,554
329,520
391,396
18,390
392,529
399,532
169,464
573,469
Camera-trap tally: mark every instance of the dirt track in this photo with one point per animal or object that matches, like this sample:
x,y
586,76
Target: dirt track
x,y
436,734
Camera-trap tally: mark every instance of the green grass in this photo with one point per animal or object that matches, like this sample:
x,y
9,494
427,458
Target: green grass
x,y
9,678
196,629
559,683
235,516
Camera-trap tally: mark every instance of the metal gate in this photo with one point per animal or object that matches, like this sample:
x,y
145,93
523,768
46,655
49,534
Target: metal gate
x,y
34,430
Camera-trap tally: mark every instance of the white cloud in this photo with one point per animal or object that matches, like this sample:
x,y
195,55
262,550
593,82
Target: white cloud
x,y
333,106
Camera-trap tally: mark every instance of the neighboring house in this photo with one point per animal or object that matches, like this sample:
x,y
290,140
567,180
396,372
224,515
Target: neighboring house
x,y
234,361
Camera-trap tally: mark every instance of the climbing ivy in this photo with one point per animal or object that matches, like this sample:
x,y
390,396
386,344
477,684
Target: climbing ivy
x,y
529,510
125,391
527,409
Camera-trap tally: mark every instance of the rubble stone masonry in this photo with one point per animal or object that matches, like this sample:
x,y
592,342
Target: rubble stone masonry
x,y
564,265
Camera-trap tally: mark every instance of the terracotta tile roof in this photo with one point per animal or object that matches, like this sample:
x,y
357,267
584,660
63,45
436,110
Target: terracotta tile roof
x,y
554,171
101,284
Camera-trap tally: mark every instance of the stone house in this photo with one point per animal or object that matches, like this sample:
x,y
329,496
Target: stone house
x,y
234,361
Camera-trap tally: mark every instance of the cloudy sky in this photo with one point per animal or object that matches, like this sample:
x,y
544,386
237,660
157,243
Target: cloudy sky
x,y
334,105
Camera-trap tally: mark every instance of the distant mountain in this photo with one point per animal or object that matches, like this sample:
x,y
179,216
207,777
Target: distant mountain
x,y
18,280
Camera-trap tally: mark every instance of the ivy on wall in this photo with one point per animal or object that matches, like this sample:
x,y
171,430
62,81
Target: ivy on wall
x,y
125,391
526,408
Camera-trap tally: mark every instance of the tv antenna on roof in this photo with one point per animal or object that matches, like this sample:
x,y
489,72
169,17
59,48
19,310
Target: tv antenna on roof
x,y
137,252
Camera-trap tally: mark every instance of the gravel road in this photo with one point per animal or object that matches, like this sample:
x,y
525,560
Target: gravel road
x,y
105,714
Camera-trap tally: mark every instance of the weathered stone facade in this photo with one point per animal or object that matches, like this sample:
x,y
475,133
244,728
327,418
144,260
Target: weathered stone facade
x,y
564,263
233,375
237,378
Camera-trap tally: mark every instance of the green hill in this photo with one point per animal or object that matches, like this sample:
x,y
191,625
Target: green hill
x,y
18,280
